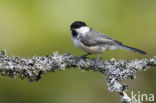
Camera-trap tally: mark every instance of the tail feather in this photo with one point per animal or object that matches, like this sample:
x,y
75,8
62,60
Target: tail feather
x,y
132,49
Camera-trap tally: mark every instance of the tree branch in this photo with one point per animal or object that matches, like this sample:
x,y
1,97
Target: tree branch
x,y
115,70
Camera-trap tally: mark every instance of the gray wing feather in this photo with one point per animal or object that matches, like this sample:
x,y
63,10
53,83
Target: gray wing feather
x,y
94,38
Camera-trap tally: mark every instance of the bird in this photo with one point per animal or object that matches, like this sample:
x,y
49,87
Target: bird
x,y
94,42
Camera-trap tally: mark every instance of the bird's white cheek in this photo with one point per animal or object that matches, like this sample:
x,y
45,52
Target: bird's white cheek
x,y
83,30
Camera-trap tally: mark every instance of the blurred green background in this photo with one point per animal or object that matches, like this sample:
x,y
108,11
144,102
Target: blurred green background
x,y
39,27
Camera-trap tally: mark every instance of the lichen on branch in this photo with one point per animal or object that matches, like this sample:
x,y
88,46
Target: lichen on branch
x,y
115,70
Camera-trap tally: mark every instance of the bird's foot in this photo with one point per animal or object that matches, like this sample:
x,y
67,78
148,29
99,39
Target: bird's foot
x,y
81,57
96,61
95,64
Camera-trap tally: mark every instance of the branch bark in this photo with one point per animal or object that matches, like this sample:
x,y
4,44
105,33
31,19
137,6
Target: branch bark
x,y
115,70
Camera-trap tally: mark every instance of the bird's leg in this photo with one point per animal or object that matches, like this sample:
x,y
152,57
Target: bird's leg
x,y
96,61
83,56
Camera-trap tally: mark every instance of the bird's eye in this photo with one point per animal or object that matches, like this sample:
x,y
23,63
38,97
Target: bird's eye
x,y
74,33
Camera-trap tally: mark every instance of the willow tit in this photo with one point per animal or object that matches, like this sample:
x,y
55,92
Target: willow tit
x,y
94,42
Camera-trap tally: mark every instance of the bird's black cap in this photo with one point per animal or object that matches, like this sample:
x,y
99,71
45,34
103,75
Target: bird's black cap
x,y
77,24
